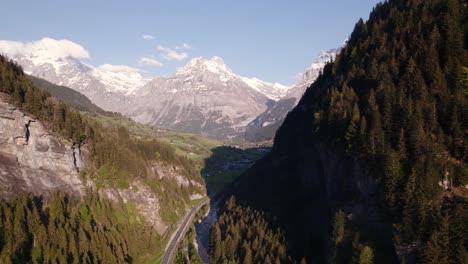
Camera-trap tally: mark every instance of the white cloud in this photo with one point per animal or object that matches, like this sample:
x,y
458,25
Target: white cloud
x,y
117,68
148,37
45,47
184,46
171,54
150,61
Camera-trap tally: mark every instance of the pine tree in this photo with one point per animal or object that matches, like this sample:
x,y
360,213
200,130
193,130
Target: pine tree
x,y
338,227
215,243
366,256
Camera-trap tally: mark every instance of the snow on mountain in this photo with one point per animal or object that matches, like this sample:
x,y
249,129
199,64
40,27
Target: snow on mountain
x,y
108,86
274,91
311,73
204,97
216,65
121,78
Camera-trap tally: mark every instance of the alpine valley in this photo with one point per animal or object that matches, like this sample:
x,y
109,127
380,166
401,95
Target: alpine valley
x,y
204,97
175,158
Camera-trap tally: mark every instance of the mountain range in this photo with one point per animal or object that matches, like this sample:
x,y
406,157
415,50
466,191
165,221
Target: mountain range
x,y
204,97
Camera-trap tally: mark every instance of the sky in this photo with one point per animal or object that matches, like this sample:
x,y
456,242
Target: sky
x,y
271,40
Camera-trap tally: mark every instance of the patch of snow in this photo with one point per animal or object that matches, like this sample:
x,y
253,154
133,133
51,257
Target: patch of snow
x,y
274,91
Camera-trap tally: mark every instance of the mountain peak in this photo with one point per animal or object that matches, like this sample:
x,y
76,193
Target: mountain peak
x,y
215,65
314,69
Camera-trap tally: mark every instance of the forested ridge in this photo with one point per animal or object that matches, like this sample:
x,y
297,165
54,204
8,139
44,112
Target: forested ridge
x,y
69,96
94,229
392,108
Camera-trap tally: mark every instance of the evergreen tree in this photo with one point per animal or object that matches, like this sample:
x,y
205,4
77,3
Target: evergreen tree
x,y
366,256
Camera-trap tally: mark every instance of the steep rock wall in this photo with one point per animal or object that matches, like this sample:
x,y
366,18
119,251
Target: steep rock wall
x,y
33,160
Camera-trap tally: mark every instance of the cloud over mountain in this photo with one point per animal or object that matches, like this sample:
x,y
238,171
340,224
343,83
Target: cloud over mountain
x,y
45,47
148,37
170,54
150,61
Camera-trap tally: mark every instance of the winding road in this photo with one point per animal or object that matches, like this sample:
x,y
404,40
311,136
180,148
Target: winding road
x,y
173,244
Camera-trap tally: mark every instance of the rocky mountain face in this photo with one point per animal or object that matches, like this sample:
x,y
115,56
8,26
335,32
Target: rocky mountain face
x,y
33,160
264,126
204,97
108,87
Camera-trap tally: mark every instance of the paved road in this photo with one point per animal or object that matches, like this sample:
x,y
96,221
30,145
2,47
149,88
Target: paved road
x,y
173,245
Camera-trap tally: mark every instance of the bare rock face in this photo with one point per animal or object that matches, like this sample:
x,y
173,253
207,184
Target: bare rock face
x,y
32,160
205,97
145,200
147,203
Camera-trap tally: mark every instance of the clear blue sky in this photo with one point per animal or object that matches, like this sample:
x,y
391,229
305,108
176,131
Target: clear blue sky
x,y
271,40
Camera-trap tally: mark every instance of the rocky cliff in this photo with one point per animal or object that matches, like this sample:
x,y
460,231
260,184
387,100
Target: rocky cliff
x,y
33,160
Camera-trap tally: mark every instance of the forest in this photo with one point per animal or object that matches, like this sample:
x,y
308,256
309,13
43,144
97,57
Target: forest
x,y
116,158
64,230
393,105
243,235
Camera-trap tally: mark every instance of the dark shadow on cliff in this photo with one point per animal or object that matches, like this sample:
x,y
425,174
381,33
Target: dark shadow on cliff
x,y
301,195
226,164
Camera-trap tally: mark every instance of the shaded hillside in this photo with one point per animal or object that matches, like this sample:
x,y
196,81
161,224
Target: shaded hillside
x,y
373,136
68,96
264,126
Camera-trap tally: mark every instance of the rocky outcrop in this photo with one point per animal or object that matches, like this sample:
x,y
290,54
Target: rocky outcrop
x,y
33,160
162,170
145,200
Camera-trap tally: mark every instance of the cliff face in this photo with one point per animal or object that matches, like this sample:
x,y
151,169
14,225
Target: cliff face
x,y
304,186
32,160
327,173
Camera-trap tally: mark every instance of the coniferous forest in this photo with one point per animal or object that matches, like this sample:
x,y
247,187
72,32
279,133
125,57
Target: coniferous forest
x,y
63,230
60,229
391,110
242,235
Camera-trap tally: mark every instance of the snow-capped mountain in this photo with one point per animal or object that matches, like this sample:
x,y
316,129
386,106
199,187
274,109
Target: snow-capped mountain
x,y
204,97
311,73
274,91
265,125
108,86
